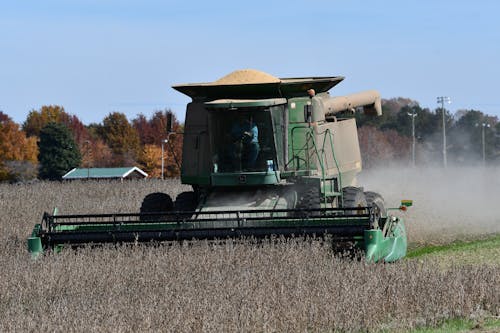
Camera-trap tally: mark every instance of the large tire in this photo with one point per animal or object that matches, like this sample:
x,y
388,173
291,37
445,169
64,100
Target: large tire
x,y
156,202
186,202
307,198
353,198
376,201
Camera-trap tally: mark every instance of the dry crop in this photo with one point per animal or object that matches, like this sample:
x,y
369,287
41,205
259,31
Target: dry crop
x,y
272,286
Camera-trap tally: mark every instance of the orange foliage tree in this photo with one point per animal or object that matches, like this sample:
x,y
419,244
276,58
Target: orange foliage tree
x,y
97,154
153,131
150,160
14,146
121,137
37,119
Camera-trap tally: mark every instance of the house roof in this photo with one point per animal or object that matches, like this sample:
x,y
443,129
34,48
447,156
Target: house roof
x,y
80,173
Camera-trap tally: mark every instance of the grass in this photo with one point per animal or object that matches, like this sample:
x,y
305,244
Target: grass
x,y
237,286
490,242
485,250
460,325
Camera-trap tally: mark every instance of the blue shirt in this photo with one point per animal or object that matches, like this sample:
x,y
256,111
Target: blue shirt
x,y
238,130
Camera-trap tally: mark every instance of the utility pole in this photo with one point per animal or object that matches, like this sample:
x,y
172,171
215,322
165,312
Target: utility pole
x,y
413,115
162,159
168,127
89,156
442,100
483,126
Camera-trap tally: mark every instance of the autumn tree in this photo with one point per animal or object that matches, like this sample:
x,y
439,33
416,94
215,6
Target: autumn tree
x,y
153,131
121,138
144,130
95,152
374,146
150,160
37,119
58,152
17,153
78,129
98,155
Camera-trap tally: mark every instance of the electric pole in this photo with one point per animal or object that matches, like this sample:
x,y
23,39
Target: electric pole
x,y
442,100
413,115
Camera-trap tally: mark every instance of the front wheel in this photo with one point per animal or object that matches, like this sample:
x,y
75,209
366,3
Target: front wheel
x,y
354,197
376,201
186,202
156,202
308,199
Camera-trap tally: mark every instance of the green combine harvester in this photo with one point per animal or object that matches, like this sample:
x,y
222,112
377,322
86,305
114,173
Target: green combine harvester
x,y
266,157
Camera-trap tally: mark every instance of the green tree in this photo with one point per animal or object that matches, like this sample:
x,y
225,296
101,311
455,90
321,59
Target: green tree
x,y
58,152
466,136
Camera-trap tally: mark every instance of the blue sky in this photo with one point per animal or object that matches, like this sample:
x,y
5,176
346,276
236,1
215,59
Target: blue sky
x,y
98,56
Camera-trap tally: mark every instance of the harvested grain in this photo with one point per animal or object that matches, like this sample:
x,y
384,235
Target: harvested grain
x,y
247,76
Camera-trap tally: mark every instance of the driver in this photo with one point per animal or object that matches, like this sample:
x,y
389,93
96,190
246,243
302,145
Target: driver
x,y
245,136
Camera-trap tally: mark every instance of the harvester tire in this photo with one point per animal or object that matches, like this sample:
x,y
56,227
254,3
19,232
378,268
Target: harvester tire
x,y
375,200
354,197
186,202
307,198
155,203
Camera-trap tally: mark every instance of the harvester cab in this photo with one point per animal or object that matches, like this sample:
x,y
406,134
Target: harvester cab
x,y
265,156
243,138
251,131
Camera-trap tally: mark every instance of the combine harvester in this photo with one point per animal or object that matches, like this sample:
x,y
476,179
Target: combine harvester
x,y
265,157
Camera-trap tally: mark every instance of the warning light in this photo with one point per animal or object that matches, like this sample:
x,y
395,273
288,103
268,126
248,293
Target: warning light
x,y
407,203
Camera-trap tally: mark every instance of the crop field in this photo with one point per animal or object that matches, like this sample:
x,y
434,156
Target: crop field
x,y
279,285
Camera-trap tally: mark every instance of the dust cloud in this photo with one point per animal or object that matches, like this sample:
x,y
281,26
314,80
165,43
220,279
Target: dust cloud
x,y
448,204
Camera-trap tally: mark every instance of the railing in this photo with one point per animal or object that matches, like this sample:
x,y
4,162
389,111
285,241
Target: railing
x,y
310,144
239,217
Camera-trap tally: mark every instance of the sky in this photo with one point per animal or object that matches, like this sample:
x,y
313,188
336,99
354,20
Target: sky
x,y
94,57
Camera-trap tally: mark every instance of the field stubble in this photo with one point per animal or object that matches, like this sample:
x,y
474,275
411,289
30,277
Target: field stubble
x,y
279,286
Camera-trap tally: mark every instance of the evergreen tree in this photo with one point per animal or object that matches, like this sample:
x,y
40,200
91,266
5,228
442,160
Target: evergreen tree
x,y
58,152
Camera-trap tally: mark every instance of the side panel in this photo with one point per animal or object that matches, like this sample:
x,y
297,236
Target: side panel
x,y
279,123
301,156
344,135
196,167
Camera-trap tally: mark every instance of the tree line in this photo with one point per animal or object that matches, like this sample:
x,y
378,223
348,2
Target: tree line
x,y
472,137
51,141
